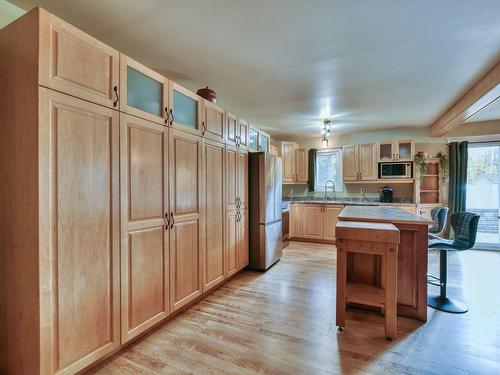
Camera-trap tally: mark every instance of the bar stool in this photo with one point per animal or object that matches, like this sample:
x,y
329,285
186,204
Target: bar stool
x,y
464,225
373,239
438,216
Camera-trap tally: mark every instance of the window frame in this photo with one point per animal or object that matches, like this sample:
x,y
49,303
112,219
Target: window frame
x,y
338,186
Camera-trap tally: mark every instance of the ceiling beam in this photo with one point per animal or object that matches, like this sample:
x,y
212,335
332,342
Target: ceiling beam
x,y
484,92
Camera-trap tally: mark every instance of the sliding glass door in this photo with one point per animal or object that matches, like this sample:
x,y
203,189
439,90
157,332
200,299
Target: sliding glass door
x,y
483,192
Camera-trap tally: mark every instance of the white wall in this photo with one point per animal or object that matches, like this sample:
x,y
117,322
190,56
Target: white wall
x,y
8,13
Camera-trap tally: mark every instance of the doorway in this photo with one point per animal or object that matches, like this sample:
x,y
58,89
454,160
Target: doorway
x,y
483,192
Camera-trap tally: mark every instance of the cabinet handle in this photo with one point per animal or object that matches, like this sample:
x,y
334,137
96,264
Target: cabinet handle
x,y
237,139
115,103
172,220
239,202
167,115
168,221
204,128
172,118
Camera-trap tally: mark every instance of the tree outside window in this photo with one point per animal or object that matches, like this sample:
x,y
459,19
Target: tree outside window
x,y
328,167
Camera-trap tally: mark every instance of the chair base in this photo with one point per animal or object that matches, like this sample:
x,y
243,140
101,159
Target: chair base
x,y
446,305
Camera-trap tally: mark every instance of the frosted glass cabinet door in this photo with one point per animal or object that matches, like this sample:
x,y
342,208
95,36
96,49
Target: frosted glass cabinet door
x,y
263,142
143,92
253,137
185,109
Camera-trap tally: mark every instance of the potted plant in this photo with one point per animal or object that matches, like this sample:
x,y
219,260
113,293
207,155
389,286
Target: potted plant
x,y
444,163
421,164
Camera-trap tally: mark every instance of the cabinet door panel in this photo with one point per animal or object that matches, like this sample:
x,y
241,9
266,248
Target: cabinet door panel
x,y
144,270
231,243
350,161
243,133
185,108
253,139
242,247
296,220
330,219
75,63
243,178
312,221
81,177
367,161
185,263
213,172
386,151
405,150
231,129
231,177
186,246
143,92
301,165
288,160
213,126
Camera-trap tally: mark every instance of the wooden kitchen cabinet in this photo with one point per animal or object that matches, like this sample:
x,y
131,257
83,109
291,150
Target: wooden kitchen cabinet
x,y
232,234
145,234
243,127
295,220
185,111
253,139
232,179
186,245
314,222
231,129
74,62
330,219
301,165
214,214
264,141
213,122
295,163
79,232
242,179
312,216
401,150
359,162
143,92
242,249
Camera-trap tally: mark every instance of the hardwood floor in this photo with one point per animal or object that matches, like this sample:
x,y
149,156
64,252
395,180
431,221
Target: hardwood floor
x,y
283,322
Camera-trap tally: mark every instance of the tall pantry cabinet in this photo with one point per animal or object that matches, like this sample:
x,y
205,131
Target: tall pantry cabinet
x,y
113,201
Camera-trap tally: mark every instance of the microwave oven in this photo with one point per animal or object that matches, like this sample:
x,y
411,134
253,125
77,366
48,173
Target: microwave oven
x,y
395,170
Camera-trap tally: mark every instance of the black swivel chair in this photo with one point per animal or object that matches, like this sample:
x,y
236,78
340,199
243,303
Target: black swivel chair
x,y
438,216
464,225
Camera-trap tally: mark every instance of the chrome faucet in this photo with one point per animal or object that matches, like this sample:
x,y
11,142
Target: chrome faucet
x,y
325,197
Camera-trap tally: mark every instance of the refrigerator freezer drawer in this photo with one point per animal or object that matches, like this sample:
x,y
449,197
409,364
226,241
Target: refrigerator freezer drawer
x,y
267,250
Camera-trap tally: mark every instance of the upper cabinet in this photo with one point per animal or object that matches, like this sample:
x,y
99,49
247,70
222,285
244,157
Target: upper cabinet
x,y
396,151
143,92
184,109
212,124
253,139
75,63
243,127
295,162
359,162
264,141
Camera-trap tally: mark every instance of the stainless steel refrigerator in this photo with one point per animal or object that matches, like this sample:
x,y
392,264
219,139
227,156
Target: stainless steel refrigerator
x,y
265,178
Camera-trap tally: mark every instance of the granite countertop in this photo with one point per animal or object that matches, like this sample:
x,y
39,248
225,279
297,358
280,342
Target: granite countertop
x,y
381,215
347,202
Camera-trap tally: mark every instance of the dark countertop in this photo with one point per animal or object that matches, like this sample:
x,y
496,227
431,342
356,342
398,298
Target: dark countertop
x,y
348,202
381,215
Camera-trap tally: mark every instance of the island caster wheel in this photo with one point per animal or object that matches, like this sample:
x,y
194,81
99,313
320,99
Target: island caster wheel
x,y
340,329
389,338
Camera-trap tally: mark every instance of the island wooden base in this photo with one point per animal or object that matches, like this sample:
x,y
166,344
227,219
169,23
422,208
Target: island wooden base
x,y
412,270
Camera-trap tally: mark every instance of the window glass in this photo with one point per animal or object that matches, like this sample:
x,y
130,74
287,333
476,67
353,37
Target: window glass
x,y
328,167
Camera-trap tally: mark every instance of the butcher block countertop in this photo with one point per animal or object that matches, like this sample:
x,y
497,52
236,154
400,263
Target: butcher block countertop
x,y
381,215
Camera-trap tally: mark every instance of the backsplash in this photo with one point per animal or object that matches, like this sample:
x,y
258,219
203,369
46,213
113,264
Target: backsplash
x,y
402,192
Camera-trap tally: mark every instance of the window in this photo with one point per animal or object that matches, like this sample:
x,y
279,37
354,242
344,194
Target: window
x,y
328,167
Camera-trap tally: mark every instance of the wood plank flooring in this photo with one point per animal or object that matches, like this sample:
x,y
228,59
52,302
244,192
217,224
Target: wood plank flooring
x,y
283,322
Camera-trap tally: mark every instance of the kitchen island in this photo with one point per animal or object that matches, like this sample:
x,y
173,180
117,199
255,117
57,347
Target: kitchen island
x,y
412,257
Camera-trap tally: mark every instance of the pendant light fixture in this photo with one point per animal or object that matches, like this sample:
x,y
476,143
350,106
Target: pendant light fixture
x,y
325,132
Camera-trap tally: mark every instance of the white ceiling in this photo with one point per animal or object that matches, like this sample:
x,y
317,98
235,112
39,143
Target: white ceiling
x,y
285,64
